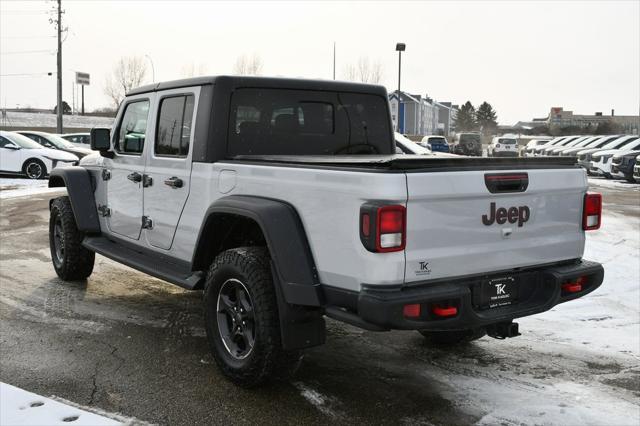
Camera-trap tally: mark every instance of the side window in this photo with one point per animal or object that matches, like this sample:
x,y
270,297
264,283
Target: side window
x,y
133,128
4,142
174,126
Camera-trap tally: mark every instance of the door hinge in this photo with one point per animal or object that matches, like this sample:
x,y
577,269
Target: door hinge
x,y
147,222
104,210
106,174
146,181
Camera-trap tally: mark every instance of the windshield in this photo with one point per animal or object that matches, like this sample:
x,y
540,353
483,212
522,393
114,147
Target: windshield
x,y
507,141
302,122
619,142
59,142
409,146
22,141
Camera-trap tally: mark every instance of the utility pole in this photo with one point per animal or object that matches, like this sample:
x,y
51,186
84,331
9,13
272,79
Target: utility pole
x,y
59,107
334,60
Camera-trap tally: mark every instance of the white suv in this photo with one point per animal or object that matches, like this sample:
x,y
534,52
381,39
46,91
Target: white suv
x,y
503,146
21,155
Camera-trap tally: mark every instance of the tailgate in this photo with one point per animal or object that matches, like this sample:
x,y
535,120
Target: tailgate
x,y
457,227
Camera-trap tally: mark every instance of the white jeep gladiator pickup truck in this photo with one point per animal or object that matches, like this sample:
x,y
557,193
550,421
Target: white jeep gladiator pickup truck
x,y
284,201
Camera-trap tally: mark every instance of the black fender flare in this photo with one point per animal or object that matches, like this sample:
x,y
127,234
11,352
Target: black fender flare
x,y
295,278
286,240
80,189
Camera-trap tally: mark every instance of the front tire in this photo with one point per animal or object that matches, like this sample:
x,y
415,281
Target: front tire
x,y
241,318
34,169
71,260
453,337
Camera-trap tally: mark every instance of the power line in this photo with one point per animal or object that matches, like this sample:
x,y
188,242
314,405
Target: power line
x,y
32,74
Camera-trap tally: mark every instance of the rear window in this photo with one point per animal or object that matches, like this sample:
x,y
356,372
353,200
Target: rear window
x,y
469,138
299,122
437,140
507,141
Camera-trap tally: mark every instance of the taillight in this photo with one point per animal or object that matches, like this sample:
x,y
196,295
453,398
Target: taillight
x,y
591,211
383,227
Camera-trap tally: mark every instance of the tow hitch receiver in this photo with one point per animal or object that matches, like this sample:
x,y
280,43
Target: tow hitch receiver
x,y
502,330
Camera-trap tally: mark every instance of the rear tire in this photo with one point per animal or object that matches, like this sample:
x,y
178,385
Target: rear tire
x,y
241,318
453,337
34,169
70,259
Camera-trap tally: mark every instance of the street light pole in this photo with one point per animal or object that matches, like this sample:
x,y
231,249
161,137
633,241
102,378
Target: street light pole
x,y
59,81
153,69
400,47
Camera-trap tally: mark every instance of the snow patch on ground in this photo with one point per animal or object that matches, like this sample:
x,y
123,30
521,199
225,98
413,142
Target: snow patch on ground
x,y
19,407
324,404
12,188
616,184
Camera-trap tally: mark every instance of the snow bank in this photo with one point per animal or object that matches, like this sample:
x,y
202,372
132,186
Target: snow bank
x,y
34,119
19,407
12,188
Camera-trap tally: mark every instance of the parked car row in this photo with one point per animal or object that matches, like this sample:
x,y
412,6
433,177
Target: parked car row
x,y
604,155
22,155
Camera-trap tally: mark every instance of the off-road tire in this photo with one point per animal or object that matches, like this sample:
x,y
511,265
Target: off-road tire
x,y
74,262
453,337
267,359
34,161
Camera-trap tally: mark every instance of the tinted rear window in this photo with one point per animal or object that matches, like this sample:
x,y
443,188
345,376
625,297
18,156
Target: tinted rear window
x,y
507,141
298,122
469,138
438,141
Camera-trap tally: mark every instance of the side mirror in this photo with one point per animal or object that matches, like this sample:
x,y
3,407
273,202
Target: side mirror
x,y
14,147
100,139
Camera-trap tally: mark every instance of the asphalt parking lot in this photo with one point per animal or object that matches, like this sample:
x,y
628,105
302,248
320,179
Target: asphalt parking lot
x,y
127,343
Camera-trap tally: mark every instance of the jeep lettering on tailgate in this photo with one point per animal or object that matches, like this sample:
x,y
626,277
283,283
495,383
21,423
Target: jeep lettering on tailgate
x,y
502,215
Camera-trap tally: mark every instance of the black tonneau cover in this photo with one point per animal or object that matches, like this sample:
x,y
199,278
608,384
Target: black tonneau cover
x,y
410,162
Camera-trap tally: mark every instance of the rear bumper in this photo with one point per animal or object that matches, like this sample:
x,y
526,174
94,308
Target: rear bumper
x,y
505,153
540,290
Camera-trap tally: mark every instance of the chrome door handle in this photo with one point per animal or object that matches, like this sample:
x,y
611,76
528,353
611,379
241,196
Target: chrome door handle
x,y
134,177
174,182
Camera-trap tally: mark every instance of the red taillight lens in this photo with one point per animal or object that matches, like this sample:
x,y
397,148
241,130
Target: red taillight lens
x,y
591,211
574,286
445,311
390,229
383,228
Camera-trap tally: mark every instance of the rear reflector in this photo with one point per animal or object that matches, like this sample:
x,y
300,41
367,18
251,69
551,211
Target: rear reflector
x,y
411,311
449,311
591,211
575,286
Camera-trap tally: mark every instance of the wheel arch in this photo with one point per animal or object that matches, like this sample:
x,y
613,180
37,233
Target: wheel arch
x,y
283,234
77,180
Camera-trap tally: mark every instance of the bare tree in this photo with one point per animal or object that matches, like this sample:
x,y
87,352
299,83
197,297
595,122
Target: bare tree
x,y
190,70
364,71
128,73
248,65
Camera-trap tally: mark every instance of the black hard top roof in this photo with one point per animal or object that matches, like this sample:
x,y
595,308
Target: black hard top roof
x,y
266,82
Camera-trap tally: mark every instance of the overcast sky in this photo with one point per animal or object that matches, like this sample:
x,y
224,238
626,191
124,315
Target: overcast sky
x,y
522,57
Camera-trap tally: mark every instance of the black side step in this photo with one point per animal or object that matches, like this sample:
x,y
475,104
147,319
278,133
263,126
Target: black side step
x,y
156,265
353,319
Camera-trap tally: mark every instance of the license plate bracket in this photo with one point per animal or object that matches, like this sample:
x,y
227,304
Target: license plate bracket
x,y
499,291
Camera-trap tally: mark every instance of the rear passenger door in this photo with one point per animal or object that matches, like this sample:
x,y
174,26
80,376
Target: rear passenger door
x,y
169,164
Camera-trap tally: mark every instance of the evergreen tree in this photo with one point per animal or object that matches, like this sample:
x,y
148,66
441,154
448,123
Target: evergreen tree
x,y
487,118
466,119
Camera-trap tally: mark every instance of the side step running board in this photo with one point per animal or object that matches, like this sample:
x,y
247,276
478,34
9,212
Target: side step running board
x,y
153,264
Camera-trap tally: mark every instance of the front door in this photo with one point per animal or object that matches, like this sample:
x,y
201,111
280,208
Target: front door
x,y
126,169
169,165
10,156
